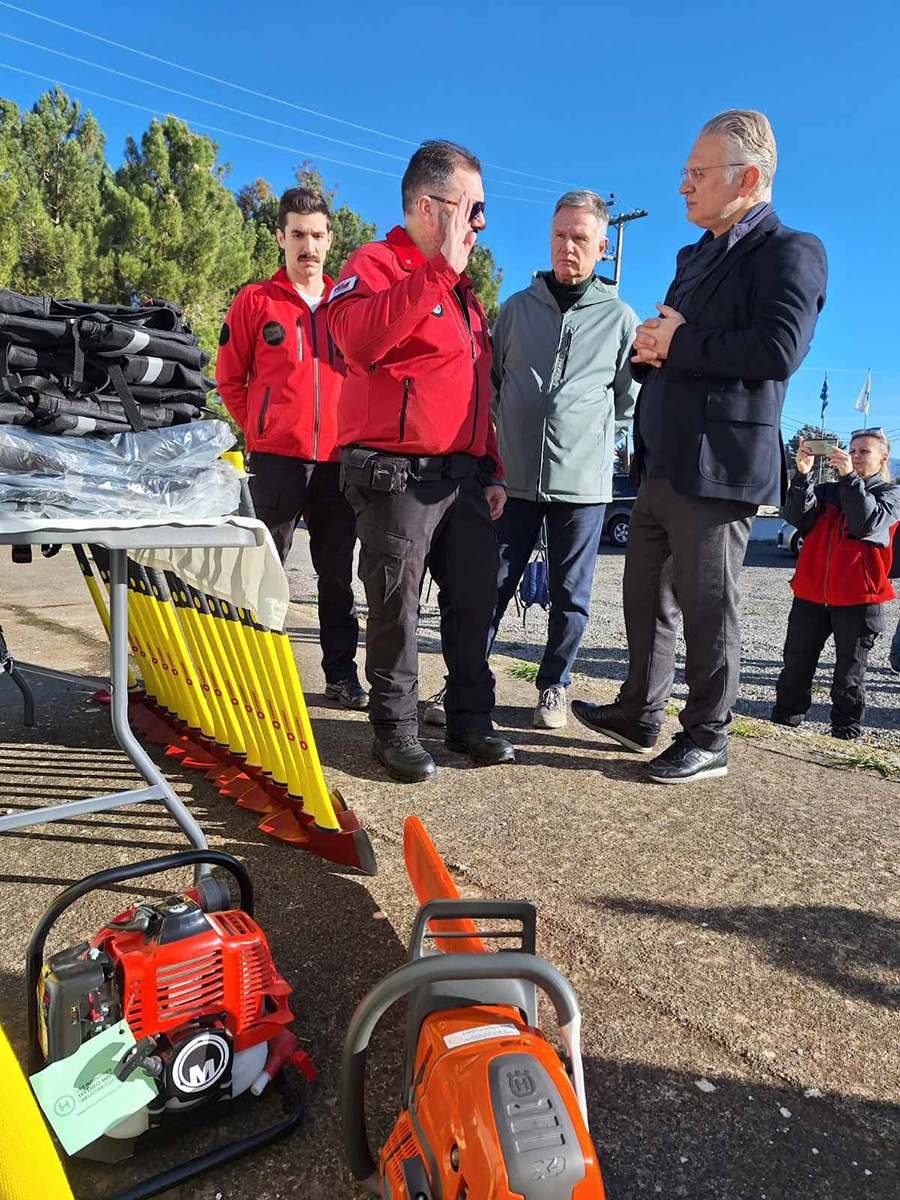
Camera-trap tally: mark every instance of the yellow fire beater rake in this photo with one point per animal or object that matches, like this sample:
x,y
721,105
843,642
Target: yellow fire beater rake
x,y
221,691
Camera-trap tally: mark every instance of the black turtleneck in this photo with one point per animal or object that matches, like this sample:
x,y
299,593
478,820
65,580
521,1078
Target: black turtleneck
x,y
566,294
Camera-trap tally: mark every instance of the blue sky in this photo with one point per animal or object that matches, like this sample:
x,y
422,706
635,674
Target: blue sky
x,y
554,95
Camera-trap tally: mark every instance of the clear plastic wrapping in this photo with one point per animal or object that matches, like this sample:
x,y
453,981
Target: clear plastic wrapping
x,y
161,473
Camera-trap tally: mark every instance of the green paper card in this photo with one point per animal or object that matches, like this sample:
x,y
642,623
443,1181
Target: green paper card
x,y
80,1095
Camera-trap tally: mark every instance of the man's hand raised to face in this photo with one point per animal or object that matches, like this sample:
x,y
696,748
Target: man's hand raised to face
x,y
459,236
653,337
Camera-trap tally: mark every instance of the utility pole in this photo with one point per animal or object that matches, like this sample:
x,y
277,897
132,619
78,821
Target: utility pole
x,y
619,223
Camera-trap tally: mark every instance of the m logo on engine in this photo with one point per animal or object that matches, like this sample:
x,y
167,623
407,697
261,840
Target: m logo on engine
x,y
200,1062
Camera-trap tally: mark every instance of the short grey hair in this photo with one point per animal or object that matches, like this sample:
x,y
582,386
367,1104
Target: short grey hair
x,y
589,200
754,143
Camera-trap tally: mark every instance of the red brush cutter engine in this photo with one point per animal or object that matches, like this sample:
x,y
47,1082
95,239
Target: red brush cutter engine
x,y
195,982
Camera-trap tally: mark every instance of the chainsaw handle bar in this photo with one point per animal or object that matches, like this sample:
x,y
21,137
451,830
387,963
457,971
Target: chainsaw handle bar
x,y
422,972
34,955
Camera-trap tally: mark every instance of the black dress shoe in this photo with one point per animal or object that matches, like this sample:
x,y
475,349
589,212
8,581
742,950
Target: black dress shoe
x,y
685,761
846,733
348,693
404,758
791,720
485,748
609,720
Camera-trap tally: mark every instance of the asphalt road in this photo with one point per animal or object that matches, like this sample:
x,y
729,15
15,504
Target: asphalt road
x,y
734,944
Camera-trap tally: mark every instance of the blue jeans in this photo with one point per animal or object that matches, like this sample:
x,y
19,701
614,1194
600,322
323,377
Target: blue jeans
x,y
573,538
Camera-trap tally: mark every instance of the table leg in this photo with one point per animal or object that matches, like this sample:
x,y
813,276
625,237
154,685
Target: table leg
x,y
118,673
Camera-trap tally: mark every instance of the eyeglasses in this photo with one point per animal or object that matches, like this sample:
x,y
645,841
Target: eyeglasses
x,y
877,432
695,174
477,207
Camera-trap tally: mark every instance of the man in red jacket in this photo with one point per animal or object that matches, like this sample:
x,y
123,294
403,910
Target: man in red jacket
x,y
419,457
279,374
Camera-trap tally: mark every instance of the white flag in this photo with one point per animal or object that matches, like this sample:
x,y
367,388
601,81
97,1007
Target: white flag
x,y
862,403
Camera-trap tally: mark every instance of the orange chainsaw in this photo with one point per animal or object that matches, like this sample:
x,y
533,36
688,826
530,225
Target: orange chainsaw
x,y
489,1111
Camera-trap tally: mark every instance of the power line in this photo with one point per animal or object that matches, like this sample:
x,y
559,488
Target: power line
x,y
251,91
229,108
243,136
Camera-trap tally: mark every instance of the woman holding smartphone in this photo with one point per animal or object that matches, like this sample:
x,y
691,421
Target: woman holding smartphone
x,y
841,580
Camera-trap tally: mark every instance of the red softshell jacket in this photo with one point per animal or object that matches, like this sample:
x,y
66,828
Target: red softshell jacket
x,y
279,372
418,357
847,531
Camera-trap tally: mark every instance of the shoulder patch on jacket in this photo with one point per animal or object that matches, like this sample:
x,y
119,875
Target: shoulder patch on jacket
x,y
224,335
345,286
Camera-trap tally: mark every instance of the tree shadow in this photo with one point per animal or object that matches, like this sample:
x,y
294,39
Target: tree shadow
x,y
830,944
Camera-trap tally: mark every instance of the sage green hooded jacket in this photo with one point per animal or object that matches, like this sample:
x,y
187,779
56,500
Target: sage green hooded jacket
x,y
562,391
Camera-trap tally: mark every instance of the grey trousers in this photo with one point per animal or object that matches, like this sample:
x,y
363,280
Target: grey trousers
x,y
684,556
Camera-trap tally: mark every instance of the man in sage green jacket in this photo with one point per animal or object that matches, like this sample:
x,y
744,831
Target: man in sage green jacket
x,y
563,389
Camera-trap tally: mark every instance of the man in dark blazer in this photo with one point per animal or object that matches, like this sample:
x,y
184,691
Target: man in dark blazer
x,y
714,364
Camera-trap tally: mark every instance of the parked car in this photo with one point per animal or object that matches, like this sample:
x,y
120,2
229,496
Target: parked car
x,y
789,538
618,511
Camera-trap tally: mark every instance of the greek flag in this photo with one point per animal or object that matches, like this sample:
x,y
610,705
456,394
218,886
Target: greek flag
x,y
824,397
862,403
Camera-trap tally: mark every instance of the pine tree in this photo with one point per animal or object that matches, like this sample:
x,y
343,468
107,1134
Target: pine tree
x,y
59,174
176,230
486,279
10,157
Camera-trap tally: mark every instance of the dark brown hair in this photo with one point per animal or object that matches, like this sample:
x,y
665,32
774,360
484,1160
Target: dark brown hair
x,y
431,167
303,201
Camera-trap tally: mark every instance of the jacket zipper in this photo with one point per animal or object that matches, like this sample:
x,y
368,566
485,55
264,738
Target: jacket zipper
x,y
315,354
562,374
465,314
403,409
262,413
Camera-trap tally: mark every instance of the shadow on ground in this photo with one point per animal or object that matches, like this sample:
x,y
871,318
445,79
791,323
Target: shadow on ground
x,y
658,1133
835,946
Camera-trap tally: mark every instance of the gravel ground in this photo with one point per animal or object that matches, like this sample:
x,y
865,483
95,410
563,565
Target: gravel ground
x,y
765,603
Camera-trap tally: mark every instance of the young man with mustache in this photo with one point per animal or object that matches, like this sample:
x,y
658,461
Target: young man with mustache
x,y
279,374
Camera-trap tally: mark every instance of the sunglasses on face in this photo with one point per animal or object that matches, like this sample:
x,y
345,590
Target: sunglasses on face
x,y
477,207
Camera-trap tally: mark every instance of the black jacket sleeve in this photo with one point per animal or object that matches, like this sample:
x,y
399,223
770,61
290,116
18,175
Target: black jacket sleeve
x,y
871,512
800,508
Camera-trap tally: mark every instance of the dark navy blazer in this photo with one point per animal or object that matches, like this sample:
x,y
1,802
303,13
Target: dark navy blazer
x,y
749,325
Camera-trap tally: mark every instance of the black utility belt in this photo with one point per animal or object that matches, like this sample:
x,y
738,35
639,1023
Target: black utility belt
x,y
365,467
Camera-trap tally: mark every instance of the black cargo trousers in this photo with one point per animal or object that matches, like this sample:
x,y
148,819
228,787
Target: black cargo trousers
x,y
284,491
440,522
854,628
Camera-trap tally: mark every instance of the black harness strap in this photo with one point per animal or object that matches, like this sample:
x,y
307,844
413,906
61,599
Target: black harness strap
x,y
132,411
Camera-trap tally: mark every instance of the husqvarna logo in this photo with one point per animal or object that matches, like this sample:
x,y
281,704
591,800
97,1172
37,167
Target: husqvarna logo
x,y
521,1083
200,1063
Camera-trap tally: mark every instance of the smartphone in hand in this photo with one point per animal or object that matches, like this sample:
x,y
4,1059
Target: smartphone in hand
x,y
819,447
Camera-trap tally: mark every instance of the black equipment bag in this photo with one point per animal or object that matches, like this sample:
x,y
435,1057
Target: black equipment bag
x,y
73,368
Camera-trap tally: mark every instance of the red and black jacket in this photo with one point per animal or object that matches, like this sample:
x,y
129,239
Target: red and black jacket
x,y
847,529
279,372
418,354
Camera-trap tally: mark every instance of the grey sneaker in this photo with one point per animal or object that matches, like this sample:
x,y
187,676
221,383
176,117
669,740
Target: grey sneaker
x,y
348,693
434,710
550,712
